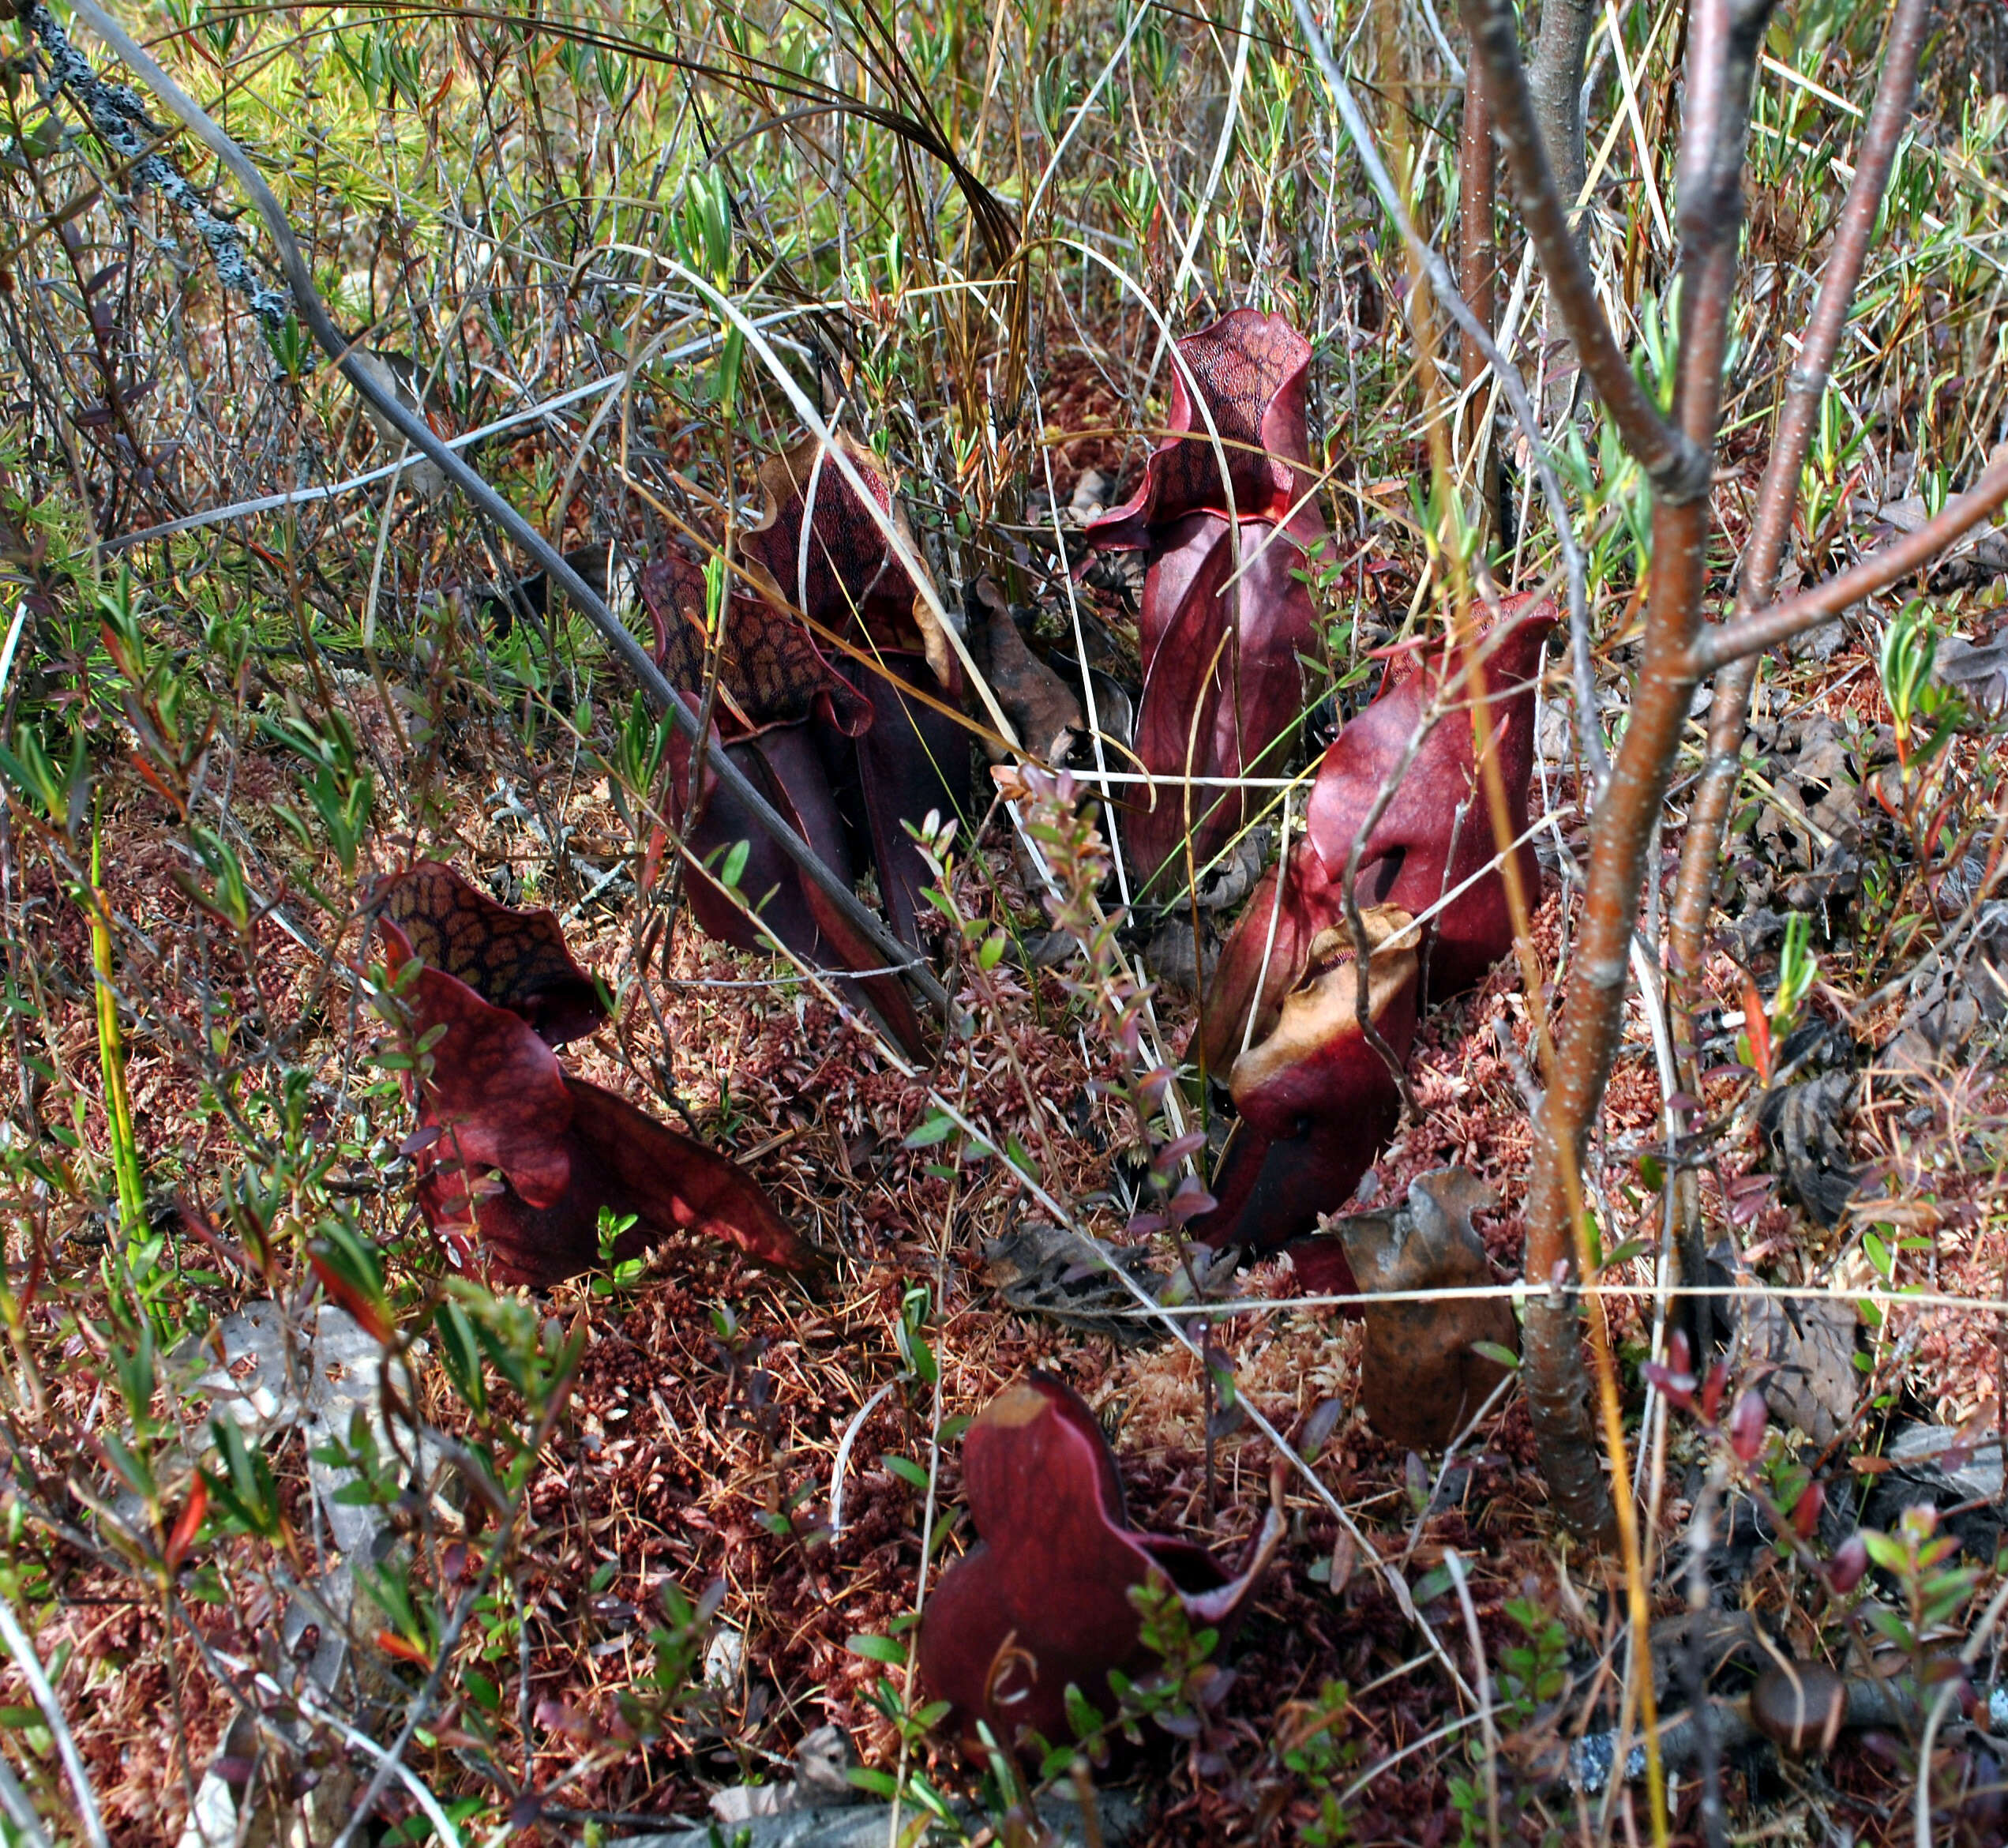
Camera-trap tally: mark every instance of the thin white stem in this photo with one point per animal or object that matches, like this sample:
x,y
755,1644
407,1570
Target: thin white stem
x,y
22,1651
1942,1705
428,1803
1455,1566
1275,919
838,1468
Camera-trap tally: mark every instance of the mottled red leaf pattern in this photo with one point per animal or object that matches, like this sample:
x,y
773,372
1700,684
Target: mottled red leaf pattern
x,y
849,754
771,669
827,555
1042,1600
1316,1098
523,1156
1251,369
1225,618
516,959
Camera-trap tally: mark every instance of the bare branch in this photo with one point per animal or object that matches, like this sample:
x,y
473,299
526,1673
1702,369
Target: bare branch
x,y
1478,245
1766,628
1778,497
1722,44
419,435
1679,469
1555,83
1723,40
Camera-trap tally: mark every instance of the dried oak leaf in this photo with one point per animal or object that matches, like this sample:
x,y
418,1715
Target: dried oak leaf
x,y
1814,1385
1042,707
1804,1122
1042,1601
1227,613
521,1156
1420,1379
1435,836
1316,1098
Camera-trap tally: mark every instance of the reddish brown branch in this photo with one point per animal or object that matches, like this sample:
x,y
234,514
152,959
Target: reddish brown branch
x,y
1723,43
1678,468
1778,497
1766,628
1477,249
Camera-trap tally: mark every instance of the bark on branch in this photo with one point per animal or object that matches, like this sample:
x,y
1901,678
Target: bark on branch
x,y
1723,44
1778,497
1765,628
1679,469
1554,86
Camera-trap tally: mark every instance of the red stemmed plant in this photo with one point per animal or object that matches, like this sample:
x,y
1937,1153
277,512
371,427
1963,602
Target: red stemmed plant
x,y
1042,1601
517,1157
848,754
1316,1098
1226,612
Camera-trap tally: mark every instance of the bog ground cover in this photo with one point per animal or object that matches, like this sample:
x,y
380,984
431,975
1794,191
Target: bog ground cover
x,y
1049,926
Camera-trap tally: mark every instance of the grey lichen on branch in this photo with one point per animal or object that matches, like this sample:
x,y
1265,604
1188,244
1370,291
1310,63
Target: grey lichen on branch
x,y
119,117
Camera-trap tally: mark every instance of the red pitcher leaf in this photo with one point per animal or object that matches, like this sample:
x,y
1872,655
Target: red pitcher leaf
x,y
1435,835
625,1161
783,764
827,555
1042,1600
495,1091
673,1184
1222,684
849,759
1226,614
511,959
1262,961
911,760
770,668
526,1156
1316,1099
1251,369
1421,1380
672,590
